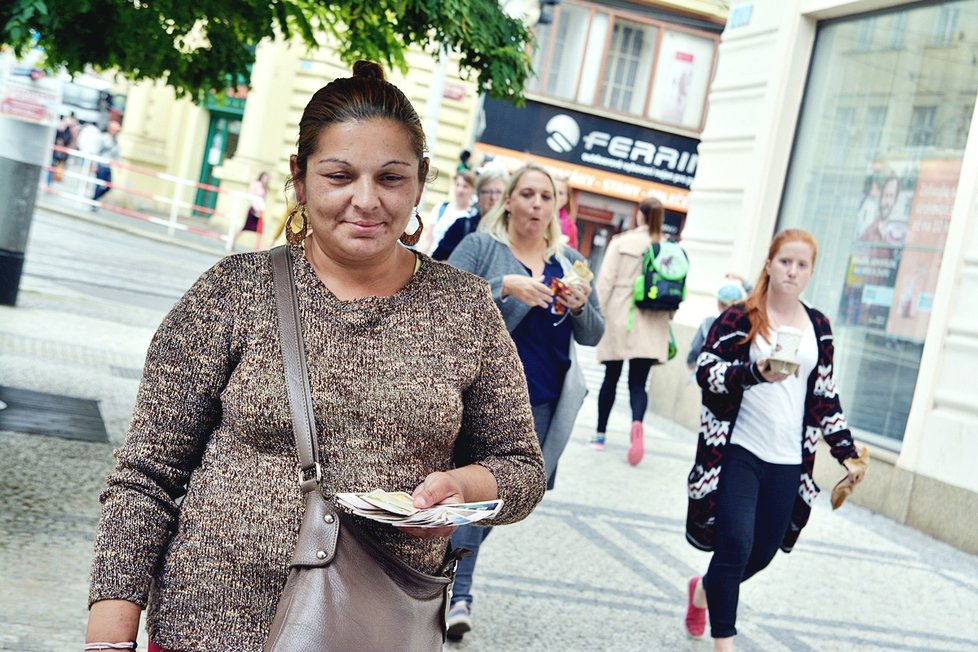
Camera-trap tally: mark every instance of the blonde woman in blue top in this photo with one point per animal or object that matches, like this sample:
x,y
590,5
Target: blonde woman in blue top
x,y
519,249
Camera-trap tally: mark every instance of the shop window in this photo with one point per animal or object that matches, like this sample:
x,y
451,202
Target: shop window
x,y
877,193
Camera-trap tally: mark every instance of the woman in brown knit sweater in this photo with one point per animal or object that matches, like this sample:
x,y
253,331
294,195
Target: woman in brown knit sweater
x,y
416,386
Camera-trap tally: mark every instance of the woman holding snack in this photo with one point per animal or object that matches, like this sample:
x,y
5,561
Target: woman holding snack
x,y
639,336
416,386
751,487
518,250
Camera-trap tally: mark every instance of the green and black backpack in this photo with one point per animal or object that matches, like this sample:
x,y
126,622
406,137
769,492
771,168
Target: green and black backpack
x,y
661,285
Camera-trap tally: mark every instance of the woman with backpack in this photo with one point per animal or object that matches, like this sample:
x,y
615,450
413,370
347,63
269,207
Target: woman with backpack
x,y
640,336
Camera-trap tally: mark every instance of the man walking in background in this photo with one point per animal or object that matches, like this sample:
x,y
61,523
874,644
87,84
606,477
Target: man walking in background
x,y
108,149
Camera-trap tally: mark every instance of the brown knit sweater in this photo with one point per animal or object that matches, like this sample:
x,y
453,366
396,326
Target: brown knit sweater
x,y
422,381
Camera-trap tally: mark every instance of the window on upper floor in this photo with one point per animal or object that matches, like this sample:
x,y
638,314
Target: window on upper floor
x,y
921,132
944,26
623,63
629,63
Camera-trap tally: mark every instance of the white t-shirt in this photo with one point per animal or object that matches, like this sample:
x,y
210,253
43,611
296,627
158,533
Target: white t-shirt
x,y
771,415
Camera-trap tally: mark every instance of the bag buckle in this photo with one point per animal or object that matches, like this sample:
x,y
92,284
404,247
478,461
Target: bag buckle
x,y
315,472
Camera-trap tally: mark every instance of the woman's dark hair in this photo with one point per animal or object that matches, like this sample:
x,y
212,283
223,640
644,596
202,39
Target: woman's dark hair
x,y
655,215
364,96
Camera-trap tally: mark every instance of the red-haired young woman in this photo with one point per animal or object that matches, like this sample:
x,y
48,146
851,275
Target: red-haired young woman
x,y
751,488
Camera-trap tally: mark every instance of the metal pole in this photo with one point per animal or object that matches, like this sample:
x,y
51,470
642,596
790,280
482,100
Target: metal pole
x,y
24,149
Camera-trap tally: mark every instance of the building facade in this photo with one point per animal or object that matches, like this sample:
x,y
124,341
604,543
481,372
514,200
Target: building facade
x,y
616,106
855,121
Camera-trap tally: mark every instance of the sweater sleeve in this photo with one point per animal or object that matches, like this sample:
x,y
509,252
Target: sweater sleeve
x,y
825,406
497,423
724,364
481,254
588,327
178,404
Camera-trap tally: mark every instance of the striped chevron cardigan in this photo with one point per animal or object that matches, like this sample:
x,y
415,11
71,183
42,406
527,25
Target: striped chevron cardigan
x,y
724,371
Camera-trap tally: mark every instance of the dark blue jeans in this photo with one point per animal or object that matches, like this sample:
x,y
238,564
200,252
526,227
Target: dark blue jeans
x,y
103,173
638,373
754,502
472,536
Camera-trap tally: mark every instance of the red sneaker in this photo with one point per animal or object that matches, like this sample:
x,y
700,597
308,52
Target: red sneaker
x,y
695,617
637,450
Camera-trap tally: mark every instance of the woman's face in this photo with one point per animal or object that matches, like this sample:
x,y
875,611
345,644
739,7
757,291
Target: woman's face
x,y
531,205
463,191
791,268
490,195
360,188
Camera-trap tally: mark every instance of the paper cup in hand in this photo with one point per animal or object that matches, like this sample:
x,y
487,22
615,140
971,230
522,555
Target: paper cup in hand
x,y
786,343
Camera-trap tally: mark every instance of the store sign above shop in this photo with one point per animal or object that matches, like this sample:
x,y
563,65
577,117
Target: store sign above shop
x,y
592,141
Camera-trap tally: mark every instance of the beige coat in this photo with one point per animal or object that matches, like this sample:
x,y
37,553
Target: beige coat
x,y
649,337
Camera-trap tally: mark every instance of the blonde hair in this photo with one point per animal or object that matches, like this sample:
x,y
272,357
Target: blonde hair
x,y
496,222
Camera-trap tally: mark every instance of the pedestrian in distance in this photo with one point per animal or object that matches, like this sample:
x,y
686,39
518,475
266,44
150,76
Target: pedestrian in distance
x,y
109,150
63,137
519,250
751,487
443,215
415,384
727,295
489,187
256,210
639,336
566,212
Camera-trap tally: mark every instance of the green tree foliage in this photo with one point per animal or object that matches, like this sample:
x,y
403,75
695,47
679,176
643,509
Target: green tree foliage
x,y
199,45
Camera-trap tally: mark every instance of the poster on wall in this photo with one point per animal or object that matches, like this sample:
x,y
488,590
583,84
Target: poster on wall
x,y
927,227
878,244
681,79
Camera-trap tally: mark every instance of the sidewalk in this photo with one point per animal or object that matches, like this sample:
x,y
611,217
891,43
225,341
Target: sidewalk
x,y
602,564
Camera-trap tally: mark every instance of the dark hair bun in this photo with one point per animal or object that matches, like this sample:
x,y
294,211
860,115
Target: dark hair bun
x,y
368,69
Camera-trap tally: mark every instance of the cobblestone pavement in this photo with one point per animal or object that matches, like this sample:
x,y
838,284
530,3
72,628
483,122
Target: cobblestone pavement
x,y
601,564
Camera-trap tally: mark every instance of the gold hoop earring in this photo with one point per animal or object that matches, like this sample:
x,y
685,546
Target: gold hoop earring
x,y
292,236
412,239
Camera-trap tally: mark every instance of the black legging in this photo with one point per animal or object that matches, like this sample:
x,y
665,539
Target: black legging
x,y
638,373
753,510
